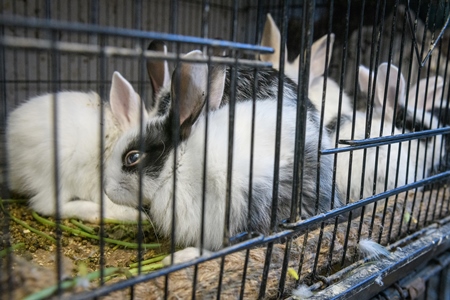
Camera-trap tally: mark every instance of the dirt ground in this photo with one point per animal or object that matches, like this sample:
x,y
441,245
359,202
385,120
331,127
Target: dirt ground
x,y
80,255
32,266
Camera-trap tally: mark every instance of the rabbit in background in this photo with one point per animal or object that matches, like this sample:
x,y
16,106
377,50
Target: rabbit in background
x,y
30,145
386,167
429,110
157,160
335,98
415,108
375,46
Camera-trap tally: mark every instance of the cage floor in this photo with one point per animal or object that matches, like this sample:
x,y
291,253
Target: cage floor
x,y
33,264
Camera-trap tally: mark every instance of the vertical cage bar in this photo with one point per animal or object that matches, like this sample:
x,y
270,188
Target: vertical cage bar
x,y
414,206
102,88
252,144
399,151
231,123
204,33
250,183
175,141
55,83
138,8
276,176
428,69
338,125
408,80
6,290
342,75
381,129
173,25
298,156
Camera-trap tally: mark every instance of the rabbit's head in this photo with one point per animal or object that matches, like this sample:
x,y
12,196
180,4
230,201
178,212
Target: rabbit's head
x,y
399,105
148,154
391,92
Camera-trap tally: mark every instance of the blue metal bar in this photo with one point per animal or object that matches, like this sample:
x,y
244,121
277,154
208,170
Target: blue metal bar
x,y
18,21
353,206
385,140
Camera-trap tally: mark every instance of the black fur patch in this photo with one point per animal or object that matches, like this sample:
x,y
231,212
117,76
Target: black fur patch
x,y
266,84
332,125
443,115
405,119
157,145
164,105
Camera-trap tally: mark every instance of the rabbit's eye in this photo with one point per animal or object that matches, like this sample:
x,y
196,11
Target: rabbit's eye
x,y
132,158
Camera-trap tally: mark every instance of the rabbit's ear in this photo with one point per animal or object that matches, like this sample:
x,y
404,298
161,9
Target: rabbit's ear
x,y
218,51
217,80
391,86
271,37
216,86
125,102
434,91
158,70
190,87
319,55
363,79
291,69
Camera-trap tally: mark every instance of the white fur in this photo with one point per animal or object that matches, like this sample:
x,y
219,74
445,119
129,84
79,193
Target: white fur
x,y
371,249
331,105
426,90
158,173
272,38
316,91
184,255
158,193
394,166
302,292
30,145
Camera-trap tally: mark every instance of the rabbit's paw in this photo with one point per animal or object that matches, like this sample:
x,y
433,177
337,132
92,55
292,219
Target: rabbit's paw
x,y
185,255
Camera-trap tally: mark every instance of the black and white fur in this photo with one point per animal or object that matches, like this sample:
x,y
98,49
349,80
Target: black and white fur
x,y
265,80
156,160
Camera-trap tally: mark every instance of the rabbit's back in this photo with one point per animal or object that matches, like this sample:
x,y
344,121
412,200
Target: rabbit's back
x,y
31,141
384,167
190,173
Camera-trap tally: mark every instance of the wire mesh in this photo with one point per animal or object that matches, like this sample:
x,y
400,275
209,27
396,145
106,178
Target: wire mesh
x,y
320,145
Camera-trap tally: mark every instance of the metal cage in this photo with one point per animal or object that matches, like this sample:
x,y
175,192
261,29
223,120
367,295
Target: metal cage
x,y
315,135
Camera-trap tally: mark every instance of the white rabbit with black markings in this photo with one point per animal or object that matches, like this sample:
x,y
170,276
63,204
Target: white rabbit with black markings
x,y
393,165
271,37
30,145
156,161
